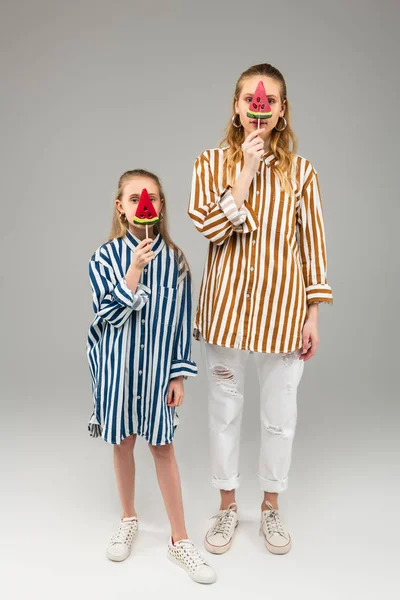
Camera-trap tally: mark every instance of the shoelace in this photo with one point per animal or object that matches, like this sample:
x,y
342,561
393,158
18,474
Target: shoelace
x,y
223,522
123,533
273,523
191,553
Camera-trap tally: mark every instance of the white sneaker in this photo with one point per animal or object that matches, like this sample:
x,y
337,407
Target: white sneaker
x,y
121,542
219,537
277,538
185,554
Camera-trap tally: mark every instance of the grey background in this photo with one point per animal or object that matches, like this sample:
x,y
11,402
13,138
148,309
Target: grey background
x,y
93,88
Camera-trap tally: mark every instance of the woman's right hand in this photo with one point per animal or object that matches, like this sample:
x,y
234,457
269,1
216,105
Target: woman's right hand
x,y
253,149
142,255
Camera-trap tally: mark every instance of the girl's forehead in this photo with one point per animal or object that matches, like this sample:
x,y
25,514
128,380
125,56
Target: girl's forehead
x,y
136,185
272,87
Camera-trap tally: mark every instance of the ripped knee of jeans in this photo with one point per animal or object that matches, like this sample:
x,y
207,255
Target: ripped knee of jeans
x,y
277,430
225,378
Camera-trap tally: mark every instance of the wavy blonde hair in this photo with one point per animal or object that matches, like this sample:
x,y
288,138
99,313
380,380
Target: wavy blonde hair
x,y
283,143
119,227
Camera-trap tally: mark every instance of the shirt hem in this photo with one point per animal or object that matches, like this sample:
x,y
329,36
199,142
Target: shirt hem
x,y
142,435
297,345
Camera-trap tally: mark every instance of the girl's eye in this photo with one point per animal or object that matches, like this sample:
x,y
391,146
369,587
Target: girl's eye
x,y
271,101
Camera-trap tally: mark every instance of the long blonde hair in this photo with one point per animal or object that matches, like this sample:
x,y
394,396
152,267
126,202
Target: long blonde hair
x,y
283,143
119,227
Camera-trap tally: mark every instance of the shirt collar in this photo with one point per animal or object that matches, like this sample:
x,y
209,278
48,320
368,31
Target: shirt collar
x,y
132,242
269,158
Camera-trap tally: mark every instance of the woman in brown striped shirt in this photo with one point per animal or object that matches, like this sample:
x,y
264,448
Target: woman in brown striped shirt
x,y
258,203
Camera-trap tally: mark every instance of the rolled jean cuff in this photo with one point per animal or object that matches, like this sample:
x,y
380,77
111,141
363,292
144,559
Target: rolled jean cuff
x,y
273,486
226,484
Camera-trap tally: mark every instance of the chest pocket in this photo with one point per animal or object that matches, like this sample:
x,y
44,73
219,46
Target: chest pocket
x,y
166,305
285,220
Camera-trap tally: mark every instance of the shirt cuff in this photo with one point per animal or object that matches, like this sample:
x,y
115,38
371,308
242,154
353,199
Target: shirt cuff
x,y
236,216
319,293
124,295
187,368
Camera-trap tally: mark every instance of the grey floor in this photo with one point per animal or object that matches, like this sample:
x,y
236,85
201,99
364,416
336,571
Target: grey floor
x,y
60,507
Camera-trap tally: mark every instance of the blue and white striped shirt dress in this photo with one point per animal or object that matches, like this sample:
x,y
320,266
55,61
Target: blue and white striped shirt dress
x,y
138,341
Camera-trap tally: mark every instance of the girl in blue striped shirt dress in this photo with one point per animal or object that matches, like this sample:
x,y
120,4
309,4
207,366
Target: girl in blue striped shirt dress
x,y
139,352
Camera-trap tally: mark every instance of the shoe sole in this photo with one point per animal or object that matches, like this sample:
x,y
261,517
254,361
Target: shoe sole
x,y
177,562
277,549
117,559
219,549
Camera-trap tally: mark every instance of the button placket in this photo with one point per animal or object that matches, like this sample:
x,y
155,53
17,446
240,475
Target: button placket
x,y
141,355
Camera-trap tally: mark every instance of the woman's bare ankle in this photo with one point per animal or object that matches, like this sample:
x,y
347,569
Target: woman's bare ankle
x,y
272,498
227,498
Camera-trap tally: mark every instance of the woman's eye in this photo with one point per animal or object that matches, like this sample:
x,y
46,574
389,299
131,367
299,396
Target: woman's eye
x,y
271,101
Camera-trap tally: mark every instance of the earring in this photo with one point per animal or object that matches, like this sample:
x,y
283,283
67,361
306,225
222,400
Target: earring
x,y
234,122
161,215
122,216
284,126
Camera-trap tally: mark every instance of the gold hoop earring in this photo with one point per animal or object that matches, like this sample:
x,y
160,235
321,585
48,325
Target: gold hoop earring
x,y
284,126
234,121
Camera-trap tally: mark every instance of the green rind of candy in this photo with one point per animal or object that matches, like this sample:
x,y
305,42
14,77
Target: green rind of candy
x,y
254,115
145,221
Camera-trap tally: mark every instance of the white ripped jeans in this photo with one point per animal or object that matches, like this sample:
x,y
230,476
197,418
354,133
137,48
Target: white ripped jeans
x,y
279,376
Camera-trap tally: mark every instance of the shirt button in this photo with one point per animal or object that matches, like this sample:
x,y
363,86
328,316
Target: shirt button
x,y
253,242
142,346
258,172
251,268
248,295
258,191
140,372
143,321
145,270
138,397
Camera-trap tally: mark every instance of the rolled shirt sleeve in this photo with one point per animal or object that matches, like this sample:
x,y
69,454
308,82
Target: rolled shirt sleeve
x,y
212,210
112,299
312,242
182,363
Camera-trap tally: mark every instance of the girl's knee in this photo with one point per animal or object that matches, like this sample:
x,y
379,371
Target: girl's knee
x,y
126,445
164,452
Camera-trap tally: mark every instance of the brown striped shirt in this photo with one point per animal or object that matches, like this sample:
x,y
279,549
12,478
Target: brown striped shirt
x,y
266,261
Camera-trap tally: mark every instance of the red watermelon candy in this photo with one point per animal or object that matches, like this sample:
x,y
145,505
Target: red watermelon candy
x,y
146,213
259,106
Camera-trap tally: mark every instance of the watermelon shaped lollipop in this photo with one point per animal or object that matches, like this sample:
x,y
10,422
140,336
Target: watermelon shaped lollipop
x,y
146,213
259,105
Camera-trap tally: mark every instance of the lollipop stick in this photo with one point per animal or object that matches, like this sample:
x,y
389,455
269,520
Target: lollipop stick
x,y
258,124
147,230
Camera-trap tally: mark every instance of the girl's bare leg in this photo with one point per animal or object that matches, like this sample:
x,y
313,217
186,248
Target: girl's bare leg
x,y
124,466
170,486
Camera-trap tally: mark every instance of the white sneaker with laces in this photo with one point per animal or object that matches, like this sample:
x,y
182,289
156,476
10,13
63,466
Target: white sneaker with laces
x,y
185,554
120,544
277,538
219,537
